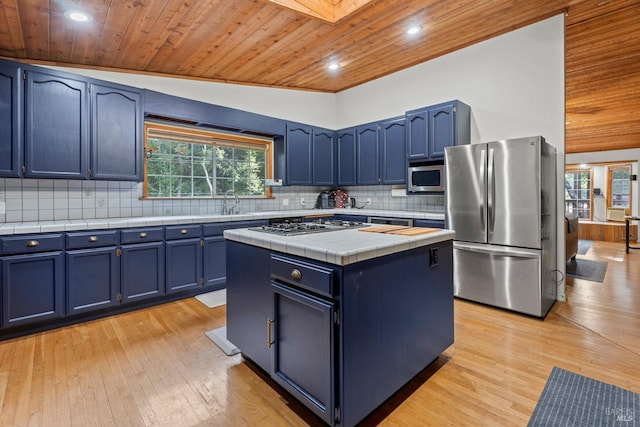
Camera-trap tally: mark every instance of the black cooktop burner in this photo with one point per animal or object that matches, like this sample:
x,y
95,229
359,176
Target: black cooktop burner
x,y
296,227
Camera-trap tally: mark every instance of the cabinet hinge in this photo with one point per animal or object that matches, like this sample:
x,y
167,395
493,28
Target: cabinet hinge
x,y
201,242
89,171
454,109
119,297
24,169
118,252
24,75
336,317
337,414
202,281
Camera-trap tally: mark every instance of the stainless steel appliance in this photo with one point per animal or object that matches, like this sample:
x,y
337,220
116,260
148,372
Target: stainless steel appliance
x,y
501,203
326,200
426,177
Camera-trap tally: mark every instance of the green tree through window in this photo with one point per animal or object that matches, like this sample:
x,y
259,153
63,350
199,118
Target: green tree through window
x,y
181,165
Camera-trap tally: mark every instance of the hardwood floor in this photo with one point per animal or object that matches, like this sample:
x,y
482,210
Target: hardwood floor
x,y
155,367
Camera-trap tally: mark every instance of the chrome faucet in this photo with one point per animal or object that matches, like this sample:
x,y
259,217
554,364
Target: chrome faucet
x,y
229,210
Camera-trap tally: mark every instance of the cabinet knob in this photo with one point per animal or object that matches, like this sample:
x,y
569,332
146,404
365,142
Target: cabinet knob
x,y
93,238
32,243
143,235
183,231
296,274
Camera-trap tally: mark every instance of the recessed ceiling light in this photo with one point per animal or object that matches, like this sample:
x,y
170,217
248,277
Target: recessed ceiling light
x,y
334,66
78,16
414,29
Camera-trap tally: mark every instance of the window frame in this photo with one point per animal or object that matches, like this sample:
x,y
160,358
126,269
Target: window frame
x,y
218,136
610,169
576,169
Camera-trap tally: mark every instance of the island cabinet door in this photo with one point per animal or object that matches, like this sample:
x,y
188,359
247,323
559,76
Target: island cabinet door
x,y
303,350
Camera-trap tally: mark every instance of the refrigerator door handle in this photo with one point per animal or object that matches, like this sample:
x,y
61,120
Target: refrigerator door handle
x,y
491,191
483,161
497,250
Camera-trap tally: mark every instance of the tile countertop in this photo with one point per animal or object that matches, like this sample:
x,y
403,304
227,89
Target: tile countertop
x,y
339,247
9,228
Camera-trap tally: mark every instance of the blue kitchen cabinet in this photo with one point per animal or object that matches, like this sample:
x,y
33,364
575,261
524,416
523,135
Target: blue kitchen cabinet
x,y
93,270
142,266
393,167
429,223
431,129
56,126
116,133
33,278
10,121
346,152
324,157
214,251
367,155
298,154
184,248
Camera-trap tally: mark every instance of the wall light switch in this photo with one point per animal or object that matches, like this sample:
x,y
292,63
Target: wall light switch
x,y
2,208
285,202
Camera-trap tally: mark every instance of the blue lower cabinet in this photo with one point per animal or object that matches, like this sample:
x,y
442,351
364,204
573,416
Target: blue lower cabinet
x,y
184,265
428,223
32,288
142,271
303,331
93,279
215,260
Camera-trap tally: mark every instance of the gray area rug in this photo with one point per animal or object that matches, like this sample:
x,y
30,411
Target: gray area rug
x,y
587,269
219,338
584,246
570,399
213,299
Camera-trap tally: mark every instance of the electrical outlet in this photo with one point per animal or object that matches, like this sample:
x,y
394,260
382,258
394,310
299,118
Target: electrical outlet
x,y
302,201
368,200
285,202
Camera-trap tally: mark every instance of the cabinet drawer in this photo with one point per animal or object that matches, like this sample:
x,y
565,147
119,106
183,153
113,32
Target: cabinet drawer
x,y
92,239
141,235
32,243
183,232
313,277
216,229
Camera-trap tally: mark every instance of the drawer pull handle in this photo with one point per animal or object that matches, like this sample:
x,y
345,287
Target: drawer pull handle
x,y
93,238
32,243
183,231
143,235
296,274
269,323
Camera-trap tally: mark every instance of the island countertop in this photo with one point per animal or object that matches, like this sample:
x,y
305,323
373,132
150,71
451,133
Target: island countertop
x,y
340,247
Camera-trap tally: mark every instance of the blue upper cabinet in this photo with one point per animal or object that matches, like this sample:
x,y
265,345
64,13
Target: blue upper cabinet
x,y
10,121
324,157
298,154
430,130
417,135
116,132
392,146
346,150
56,126
368,155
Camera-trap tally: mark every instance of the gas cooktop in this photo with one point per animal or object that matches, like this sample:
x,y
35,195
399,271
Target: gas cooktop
x,y
297,226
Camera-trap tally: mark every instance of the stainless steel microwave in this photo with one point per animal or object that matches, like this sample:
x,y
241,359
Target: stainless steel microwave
x,y
427,177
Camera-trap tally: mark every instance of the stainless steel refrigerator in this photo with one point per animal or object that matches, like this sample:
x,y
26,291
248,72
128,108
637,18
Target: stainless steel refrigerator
x,y
501,203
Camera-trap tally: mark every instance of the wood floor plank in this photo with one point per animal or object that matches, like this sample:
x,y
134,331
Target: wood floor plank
x,y
155,367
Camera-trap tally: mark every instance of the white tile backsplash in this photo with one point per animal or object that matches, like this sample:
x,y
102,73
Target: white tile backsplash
x,y
47,200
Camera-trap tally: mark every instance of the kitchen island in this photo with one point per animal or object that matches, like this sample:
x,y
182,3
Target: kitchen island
x,y
342,319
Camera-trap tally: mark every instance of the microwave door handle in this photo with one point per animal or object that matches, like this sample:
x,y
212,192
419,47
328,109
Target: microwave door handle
x,y
491,191
483,161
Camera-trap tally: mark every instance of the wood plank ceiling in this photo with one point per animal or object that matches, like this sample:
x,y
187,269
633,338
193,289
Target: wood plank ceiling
x,y
260,42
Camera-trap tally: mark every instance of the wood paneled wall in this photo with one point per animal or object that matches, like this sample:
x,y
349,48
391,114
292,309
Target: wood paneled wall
x,y
603,76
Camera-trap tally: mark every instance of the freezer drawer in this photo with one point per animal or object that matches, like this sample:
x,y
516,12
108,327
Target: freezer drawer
x,y
499,276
